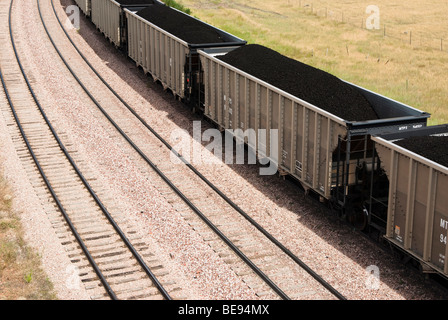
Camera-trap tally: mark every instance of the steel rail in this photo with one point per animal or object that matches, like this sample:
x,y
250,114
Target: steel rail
x,y
92,262
229,243
131,248
288,252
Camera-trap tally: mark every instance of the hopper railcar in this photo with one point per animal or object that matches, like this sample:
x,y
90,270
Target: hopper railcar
x,y
109,17
417,202
85,6
328,155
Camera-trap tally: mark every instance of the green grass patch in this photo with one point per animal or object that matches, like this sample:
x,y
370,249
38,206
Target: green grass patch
x,y
177,5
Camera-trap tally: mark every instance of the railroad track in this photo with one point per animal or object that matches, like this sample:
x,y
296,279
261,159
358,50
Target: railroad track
x,y
250,250
109,264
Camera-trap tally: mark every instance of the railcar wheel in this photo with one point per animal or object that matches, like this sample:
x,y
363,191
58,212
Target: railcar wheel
x,y
358,217
335,210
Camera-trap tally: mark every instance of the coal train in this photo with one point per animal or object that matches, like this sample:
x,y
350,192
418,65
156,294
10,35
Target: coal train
x,y
342,142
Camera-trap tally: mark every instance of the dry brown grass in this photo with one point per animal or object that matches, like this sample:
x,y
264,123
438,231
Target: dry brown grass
x,y
412,74
21,276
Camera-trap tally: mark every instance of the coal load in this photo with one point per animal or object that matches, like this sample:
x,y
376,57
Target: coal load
x,y
181,25
134,2
433,148
312,85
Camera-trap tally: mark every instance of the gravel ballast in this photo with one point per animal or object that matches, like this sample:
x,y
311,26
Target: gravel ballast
x,y
315,86
191,263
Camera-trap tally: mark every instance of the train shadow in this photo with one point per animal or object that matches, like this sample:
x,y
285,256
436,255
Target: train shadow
x,y
284,192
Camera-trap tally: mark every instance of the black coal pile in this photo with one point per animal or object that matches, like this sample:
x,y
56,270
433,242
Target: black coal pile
x,y
312,85
181,25
134,2
432,147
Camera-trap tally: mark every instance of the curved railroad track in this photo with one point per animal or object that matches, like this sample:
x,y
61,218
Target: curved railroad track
x,y
109,264
198,198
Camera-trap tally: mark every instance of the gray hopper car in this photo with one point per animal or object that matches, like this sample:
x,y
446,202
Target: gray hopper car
x,y
85,6
417,205
169,59
325,153
109,18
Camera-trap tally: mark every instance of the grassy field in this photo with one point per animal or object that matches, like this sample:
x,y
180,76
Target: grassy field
x,y
409,64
